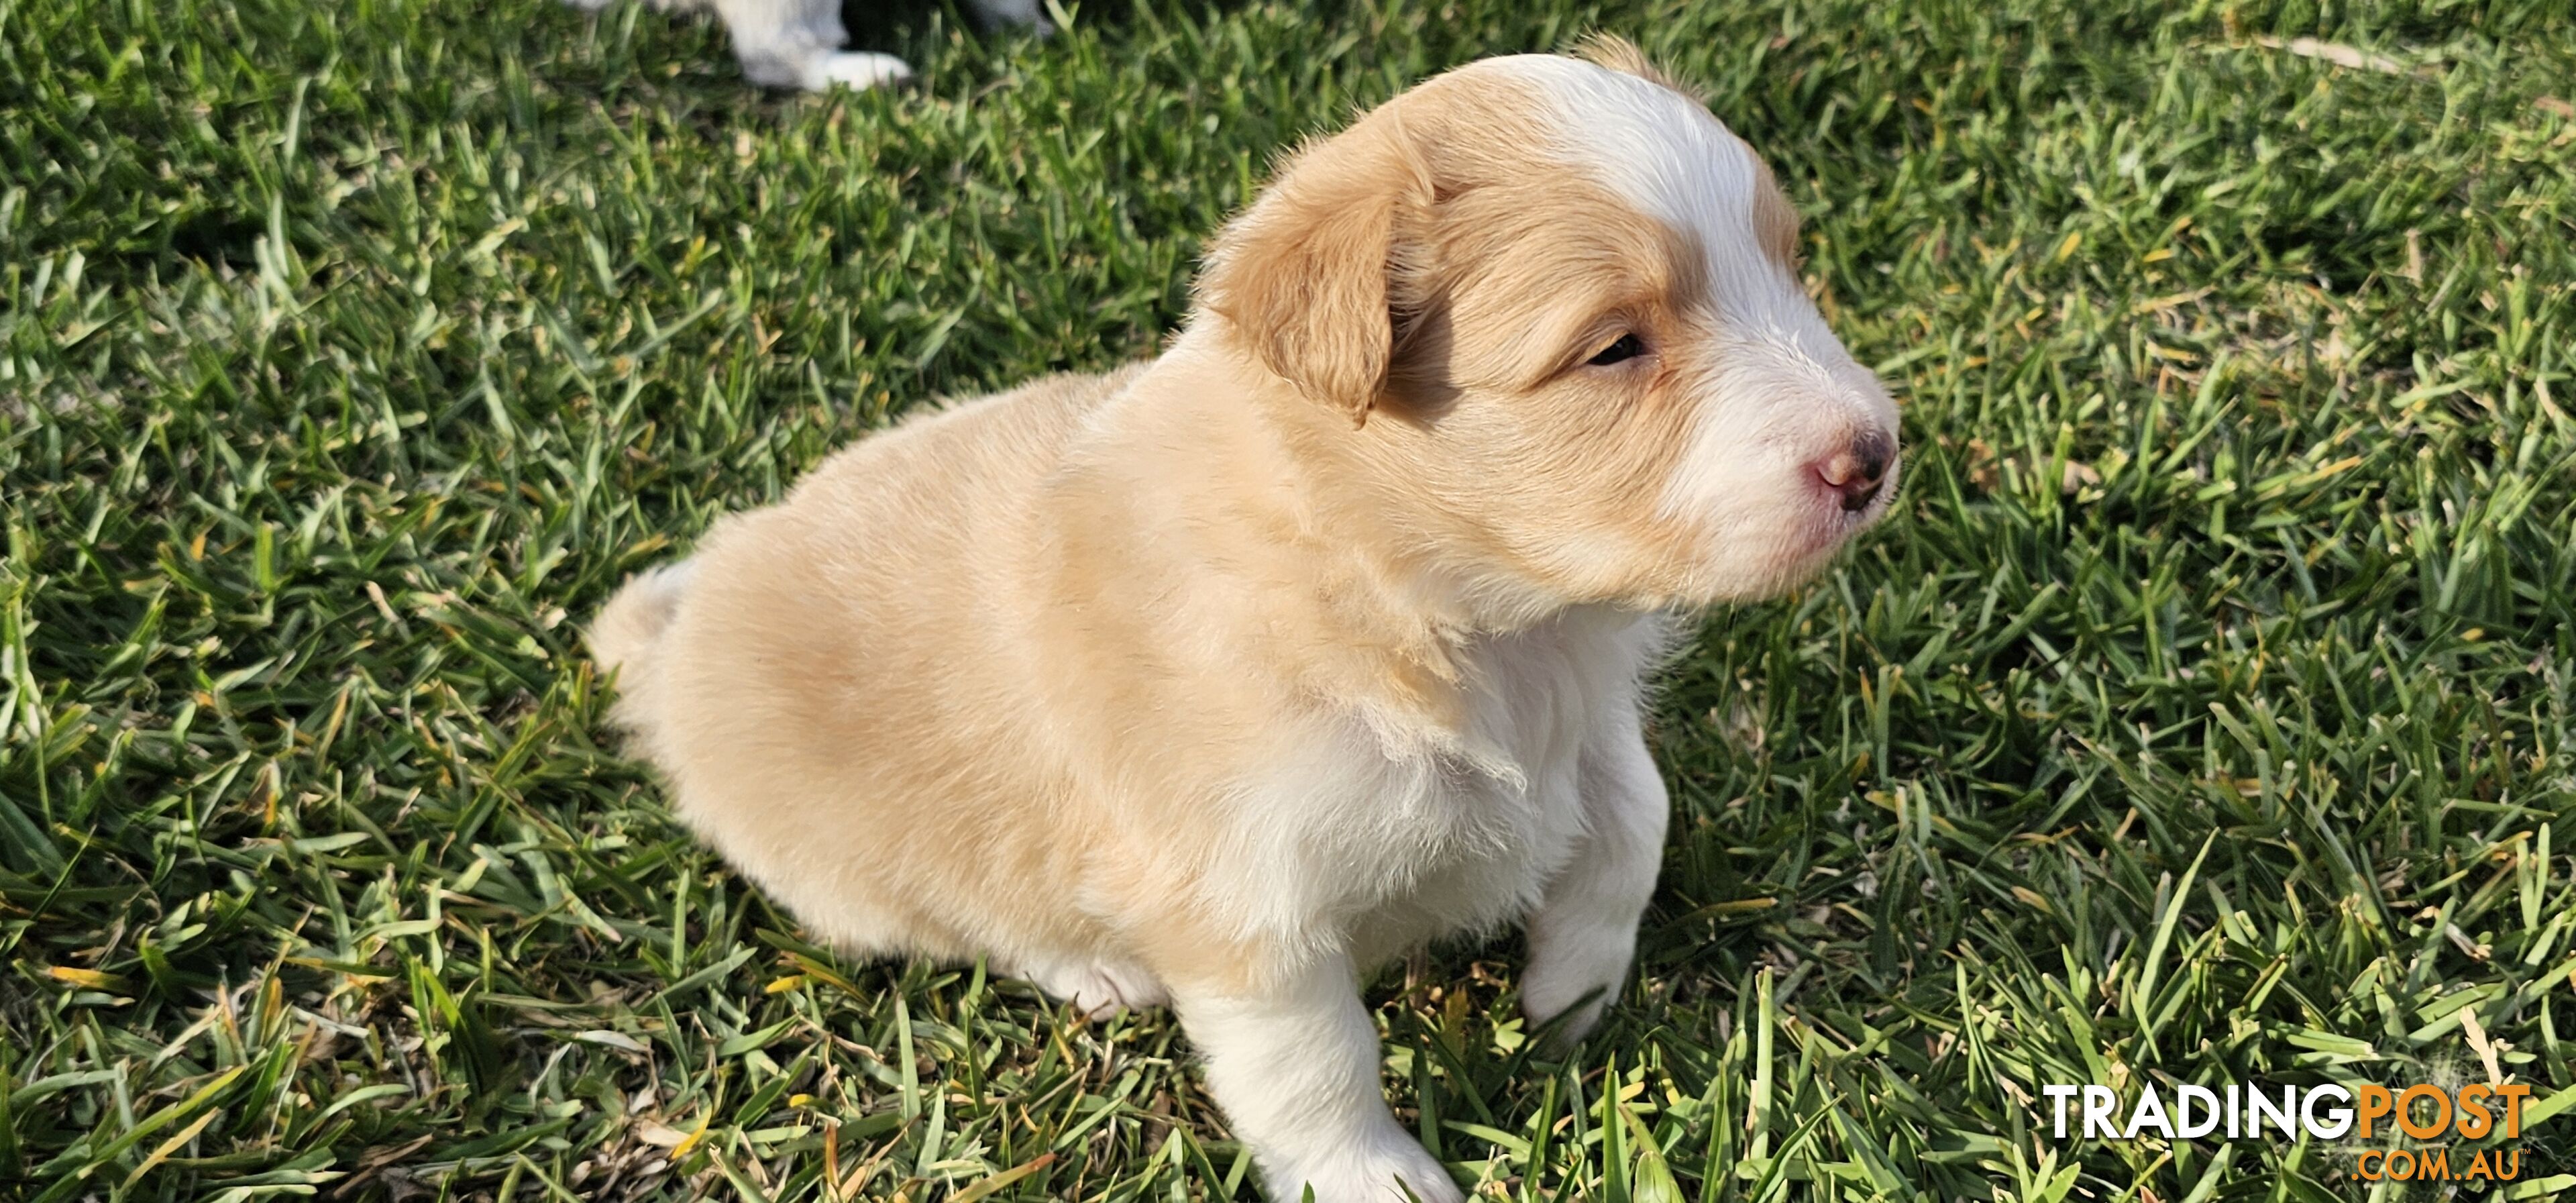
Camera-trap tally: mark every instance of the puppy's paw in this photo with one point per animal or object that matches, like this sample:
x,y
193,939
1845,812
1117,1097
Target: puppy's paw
x,y
1576,979
1396,1173
1100,989
1026,14
856,71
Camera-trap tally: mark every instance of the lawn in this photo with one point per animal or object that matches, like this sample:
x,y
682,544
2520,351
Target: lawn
x,y
2202,714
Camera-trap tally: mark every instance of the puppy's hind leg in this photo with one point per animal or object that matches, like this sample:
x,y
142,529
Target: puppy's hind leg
x,y
797,44
1097,988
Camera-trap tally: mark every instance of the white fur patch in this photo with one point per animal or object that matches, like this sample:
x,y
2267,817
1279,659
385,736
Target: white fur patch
x,y
1392,837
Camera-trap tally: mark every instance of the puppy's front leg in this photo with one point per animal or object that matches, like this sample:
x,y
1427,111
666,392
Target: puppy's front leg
x,y
1295,1066
796,44
1585,929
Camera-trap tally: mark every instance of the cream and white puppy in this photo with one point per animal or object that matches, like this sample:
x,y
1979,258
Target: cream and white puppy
x,y
797,43
1223,678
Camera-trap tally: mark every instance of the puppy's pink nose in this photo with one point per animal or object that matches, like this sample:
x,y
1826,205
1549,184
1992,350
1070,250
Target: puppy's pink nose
x,y
1857,471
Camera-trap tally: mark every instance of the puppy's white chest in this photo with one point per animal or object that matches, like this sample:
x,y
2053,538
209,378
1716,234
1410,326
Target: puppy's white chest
x,y
1390,838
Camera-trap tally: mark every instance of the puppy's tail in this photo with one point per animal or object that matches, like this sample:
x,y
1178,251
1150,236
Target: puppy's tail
x,y
626,639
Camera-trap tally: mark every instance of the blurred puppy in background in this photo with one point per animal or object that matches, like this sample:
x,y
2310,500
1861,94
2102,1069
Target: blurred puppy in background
x,y
797,43
1222,679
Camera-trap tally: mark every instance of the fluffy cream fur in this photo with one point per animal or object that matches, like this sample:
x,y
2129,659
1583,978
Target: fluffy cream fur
x,y
1220,679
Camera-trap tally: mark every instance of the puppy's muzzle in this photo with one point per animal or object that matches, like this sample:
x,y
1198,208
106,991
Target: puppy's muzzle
x,y
1858,471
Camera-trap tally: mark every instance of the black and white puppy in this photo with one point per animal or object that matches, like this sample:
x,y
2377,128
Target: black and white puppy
x,y
797,43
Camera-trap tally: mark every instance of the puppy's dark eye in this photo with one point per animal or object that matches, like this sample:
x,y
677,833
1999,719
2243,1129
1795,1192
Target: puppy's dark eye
x,y
1625,349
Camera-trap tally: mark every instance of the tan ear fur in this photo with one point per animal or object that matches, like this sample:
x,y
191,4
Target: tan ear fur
x,y
1303,276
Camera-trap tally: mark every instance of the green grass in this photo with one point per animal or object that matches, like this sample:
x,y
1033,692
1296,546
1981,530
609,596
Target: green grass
x,y
2202,714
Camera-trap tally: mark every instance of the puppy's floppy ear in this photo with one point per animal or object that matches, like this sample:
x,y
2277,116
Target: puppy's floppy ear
x,y
1304,277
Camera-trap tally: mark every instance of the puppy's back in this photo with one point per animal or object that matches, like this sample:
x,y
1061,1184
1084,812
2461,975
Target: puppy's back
x,y
849,634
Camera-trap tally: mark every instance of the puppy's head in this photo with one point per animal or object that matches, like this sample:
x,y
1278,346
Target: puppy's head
x,y
1553,305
